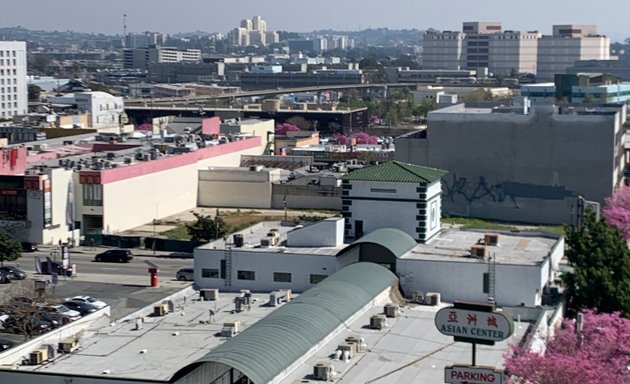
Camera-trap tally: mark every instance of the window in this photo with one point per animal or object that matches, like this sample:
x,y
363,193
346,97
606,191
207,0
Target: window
x,y
246,275
317,278
282,277
210,273
93,195
382,190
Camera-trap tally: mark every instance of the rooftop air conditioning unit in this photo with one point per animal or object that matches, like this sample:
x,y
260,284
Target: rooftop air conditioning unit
x,y
68,345
209,294
356,341
323,371
228,332
38,356
491,239
264,243
378,322
478,251
432,298
160,310
351,348
392,310
236,324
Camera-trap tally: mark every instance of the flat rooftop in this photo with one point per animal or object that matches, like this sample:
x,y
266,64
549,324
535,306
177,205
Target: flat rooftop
x,y
523,248
409,350
162,346
254,234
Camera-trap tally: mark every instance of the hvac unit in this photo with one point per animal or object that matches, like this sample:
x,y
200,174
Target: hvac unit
x,y
432,298
478,251
160,310
209,294
352,348
491,239
322,371
236,325
239,240
356,341
378,322
228,332
38,356
264,243
392,310
68,345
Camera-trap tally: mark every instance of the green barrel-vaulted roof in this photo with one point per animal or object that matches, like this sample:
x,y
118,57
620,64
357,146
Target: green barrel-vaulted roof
x,y
395,240
397,172
268,347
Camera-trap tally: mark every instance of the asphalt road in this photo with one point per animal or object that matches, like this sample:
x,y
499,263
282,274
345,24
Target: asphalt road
x,y
124,286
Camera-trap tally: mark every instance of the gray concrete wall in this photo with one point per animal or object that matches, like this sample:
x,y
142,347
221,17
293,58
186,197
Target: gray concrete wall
x,y
528,168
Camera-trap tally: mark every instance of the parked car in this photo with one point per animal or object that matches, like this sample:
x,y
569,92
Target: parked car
x,y
18,273
83,308
88,300
115,255
62,310
6,344
185,274
48,268
29,324
28,246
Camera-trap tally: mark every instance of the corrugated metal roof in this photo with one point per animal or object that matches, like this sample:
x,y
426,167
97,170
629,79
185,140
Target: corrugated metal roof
x,y
268,347
397,172
397,241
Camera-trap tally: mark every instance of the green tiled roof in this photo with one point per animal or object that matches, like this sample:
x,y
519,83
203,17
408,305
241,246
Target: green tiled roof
x,y
397,172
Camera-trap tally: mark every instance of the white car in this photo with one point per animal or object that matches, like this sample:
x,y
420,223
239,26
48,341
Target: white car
x,y
88,300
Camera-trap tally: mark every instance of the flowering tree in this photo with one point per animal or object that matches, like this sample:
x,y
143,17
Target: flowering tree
x,y
361,138
617,211
599,355
145,127
282,129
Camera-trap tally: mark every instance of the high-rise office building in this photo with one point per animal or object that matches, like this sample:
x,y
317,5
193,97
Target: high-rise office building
x,y
13,90
568,44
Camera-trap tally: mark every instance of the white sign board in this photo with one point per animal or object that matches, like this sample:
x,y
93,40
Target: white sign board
x,y
465,323
461,374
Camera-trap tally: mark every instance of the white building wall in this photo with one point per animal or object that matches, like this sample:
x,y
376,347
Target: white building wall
x,y
13,89
463,281
236,188
326,233
264,264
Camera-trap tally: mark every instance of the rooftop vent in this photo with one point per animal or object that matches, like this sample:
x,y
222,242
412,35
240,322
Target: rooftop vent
x,y
323,371
478,251
491,239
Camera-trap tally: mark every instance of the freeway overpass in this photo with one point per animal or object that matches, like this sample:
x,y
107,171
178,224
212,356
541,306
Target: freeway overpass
x,y
263,92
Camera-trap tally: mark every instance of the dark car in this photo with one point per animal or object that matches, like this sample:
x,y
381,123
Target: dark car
x,y
185,274
28,246
28,324
48,268
6,344
115,255
83,308
18,273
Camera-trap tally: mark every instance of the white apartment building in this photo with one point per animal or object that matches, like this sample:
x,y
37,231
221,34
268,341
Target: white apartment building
x,y
141,57
253,32
104,109
568,44
13,91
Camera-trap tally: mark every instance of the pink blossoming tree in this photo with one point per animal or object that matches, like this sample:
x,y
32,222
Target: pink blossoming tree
x,y
617,211
282,129
600,355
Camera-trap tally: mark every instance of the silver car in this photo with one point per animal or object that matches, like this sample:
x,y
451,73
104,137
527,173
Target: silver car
x,y
185,274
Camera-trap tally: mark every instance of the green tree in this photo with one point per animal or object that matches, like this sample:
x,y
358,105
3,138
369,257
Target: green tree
x,y
601,267
205,228
34,92
10,249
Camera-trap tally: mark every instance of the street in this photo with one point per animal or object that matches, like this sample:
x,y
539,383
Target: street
x,y
124,286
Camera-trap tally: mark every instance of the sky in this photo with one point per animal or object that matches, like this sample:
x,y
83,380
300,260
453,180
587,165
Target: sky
x,y
172,16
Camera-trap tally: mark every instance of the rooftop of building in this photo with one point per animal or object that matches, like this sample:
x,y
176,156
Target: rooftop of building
x,y
163,345
253,235
410,350
500,112
522,248
397,172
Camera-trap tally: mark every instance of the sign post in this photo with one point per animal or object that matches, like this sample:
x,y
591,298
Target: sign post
x,y
476,324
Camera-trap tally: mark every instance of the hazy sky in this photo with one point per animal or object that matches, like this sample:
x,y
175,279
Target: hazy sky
x,y
171,16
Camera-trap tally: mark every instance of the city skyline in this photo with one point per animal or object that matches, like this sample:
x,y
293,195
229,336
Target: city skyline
x,y
168,17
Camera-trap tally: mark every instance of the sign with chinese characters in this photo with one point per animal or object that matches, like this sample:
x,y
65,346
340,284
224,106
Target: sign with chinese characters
x,y
472,325
463,374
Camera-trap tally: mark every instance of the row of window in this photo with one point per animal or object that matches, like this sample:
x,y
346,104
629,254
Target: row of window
x,y
8,53
9,72
9,96
8,105
8,62
278,277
